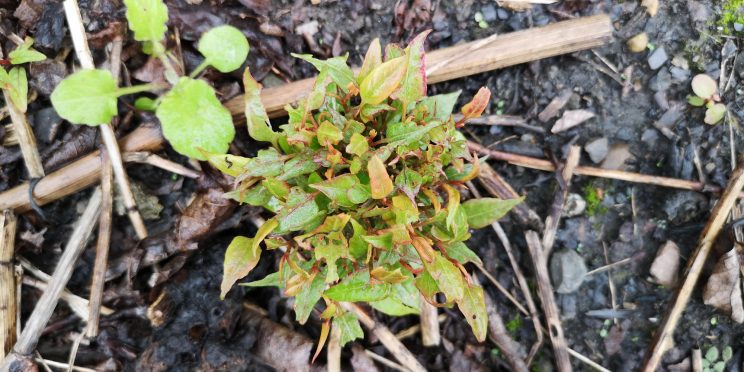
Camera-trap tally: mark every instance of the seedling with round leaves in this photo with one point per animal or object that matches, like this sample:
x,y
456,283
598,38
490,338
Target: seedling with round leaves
x,y
191,115
706,94
363,184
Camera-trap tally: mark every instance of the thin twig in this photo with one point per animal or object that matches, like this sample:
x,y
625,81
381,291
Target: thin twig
x,y
609,266
610,282
498,334
385,361
556,209
719,215
503,290
64,365
334,350
387,338
545,165
77,304
416,328
80,42
429,324
102,245
545,290
8,285
62,273
159,162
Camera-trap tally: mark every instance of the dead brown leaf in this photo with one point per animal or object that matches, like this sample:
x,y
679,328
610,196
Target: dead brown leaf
x,y
665,267
570,119
723,290
555,105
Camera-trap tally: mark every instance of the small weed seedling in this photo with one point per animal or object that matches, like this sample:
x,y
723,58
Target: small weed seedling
x,y
711,362
14,82
191,116
706,94
362,181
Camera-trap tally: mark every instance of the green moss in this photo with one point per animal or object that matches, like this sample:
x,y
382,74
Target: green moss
x,y
733,12
514,324
593,200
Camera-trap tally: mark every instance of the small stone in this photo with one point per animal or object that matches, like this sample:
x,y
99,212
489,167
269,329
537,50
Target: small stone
x,y
657,58
661,100
738,26
575,205
502,14
489,13
679,75
567,269
649,137
665,267
684,206
662,81
148,205
681,62
597,149
616,157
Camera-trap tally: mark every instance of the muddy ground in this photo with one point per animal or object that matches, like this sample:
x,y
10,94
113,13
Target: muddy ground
x,y
194,330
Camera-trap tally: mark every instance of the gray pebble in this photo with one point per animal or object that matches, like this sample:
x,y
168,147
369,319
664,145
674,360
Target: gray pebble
x,y
502,14
489,13
657,58
597,149
567,269
679,75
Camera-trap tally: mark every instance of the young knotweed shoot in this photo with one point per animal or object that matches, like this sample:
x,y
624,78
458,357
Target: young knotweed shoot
x,y
191,115
363,182
14,82
706,94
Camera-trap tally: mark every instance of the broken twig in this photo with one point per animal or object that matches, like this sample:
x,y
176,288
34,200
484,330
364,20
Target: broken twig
x,y
556,209
8,284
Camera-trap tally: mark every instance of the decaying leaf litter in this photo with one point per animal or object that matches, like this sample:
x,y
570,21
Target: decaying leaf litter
x,y
645,131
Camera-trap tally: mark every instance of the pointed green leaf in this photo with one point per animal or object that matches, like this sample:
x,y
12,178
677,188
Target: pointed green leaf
x,y
299,211
440,106
379,181
382,81
193,118
460,252
413,85
485,211
338,70
308,296
231,165
256,119
147,19
403,300
86,97
18,89
24,53
447,276
358,145
330,248
357,288
357,245
224,47
240,259
329,133
349,326
473,307
346,190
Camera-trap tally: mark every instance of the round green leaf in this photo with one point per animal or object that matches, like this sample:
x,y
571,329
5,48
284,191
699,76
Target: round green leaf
x,y
224,47
147,19
715,113
704,86
193,118
86,97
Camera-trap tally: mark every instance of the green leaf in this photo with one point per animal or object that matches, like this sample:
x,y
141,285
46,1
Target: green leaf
x,y
147,19
145,104
409,182
299,211
447,276
225,48
346,190
427,286
357,288
485,211
307,297
382,81
240,258
413,85
712,354
349,326
280,189
704,86
256,119
372,59
403,134
271,280
24,53
329,133
715,113
403,300
330,248
440,106
460,252
379,181
300,164
86,97
337,69
393,51
453,206
695,101
382,241
358,145
358,246
405,210
473,307
18,88
193,118
231,165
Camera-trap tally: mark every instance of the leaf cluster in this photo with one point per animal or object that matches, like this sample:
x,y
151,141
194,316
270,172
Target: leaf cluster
x,y
363,181
14,82
706,94
192,118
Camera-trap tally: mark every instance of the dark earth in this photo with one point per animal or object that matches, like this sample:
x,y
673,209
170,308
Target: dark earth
x,y
167,312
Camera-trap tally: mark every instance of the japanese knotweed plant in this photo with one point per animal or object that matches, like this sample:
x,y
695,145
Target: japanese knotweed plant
x,y
14,82
192,118
363,183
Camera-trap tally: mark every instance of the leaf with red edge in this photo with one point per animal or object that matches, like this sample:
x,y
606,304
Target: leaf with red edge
x,y
475,107
413,85
240,259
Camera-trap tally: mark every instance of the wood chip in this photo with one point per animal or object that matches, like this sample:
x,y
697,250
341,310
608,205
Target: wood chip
x,y
665,267
723,290
570,119
555,105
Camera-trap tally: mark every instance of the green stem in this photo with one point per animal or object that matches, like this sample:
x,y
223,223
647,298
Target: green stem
x,y
199,69
170,73
139,88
